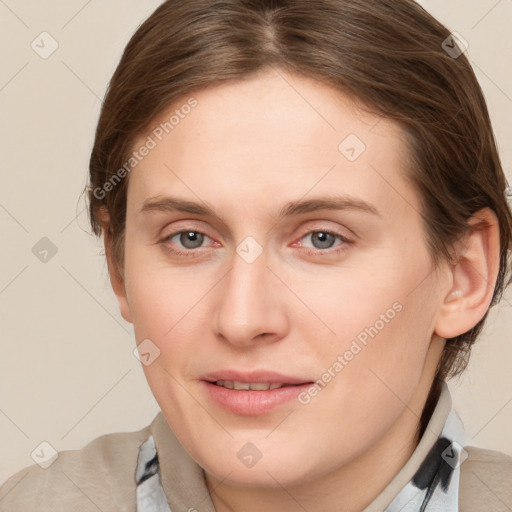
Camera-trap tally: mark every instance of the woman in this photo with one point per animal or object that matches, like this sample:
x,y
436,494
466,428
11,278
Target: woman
x,y
304,218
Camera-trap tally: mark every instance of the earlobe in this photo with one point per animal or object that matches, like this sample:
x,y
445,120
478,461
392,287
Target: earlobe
x,y
473,277
116,279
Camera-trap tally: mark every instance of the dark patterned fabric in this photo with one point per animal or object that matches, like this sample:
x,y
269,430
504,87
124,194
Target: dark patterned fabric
x,y
150,493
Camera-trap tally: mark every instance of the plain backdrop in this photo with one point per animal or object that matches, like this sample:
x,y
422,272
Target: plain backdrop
x,y
67,369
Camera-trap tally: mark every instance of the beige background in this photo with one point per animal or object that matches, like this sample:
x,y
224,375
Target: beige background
x,y
67,371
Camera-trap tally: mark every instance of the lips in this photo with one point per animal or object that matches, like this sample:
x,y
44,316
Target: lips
x,y
252,393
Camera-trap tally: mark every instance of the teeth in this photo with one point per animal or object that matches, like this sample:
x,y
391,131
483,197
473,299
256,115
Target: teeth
x,y
254,386
261,386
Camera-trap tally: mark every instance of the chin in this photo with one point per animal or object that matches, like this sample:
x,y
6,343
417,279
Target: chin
x,y
270,475
239,463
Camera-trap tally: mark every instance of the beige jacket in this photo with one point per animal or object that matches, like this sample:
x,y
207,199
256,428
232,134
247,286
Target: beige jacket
x,y
100,477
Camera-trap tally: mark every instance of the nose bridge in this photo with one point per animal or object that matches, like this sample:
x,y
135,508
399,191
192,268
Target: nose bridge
x,y
248,305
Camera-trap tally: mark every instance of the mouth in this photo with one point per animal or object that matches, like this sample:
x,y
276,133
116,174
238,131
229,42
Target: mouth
x,y
252,393
253,386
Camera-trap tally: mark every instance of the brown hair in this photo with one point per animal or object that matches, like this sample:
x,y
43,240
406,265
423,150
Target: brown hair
x,y
389,54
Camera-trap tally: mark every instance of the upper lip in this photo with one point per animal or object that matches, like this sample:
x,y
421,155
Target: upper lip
x,y
254,376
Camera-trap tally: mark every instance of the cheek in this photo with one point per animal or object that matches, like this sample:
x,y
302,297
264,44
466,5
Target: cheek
x,y
168,308
159,294
378,297
381,323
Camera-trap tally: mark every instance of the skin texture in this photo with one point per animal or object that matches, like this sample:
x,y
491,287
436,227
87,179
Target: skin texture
x,y
247,149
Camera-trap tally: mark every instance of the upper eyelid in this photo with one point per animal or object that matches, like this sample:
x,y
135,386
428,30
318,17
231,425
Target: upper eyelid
x,y
333,231
307,230
301,218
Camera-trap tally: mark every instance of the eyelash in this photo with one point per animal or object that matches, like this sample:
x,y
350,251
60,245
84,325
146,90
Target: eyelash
x,y
192,253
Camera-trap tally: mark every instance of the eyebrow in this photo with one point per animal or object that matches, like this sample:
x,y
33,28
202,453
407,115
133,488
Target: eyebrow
x,y
345,202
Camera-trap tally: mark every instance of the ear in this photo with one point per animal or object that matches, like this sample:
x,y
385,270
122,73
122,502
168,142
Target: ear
x,y
116,278
473,276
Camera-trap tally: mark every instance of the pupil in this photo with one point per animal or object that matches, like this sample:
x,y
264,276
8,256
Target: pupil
x,y
191,239
324,239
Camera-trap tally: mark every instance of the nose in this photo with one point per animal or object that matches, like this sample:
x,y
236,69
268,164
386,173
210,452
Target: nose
x,y
250,307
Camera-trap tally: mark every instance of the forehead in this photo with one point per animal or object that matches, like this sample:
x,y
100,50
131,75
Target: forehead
x,y
272,135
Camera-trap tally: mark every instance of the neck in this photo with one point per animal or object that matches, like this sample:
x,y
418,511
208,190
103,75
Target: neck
x,y
349,488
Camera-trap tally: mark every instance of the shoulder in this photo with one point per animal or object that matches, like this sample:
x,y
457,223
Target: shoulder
x,y
485,481
100,476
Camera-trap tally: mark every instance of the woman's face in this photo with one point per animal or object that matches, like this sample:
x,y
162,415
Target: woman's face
x,y
272,239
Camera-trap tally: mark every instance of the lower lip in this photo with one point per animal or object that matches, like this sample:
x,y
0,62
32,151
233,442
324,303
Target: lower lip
x,y
253,403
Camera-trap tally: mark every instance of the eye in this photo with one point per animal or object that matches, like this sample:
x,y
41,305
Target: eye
x,y
187,239
325,239
190,239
